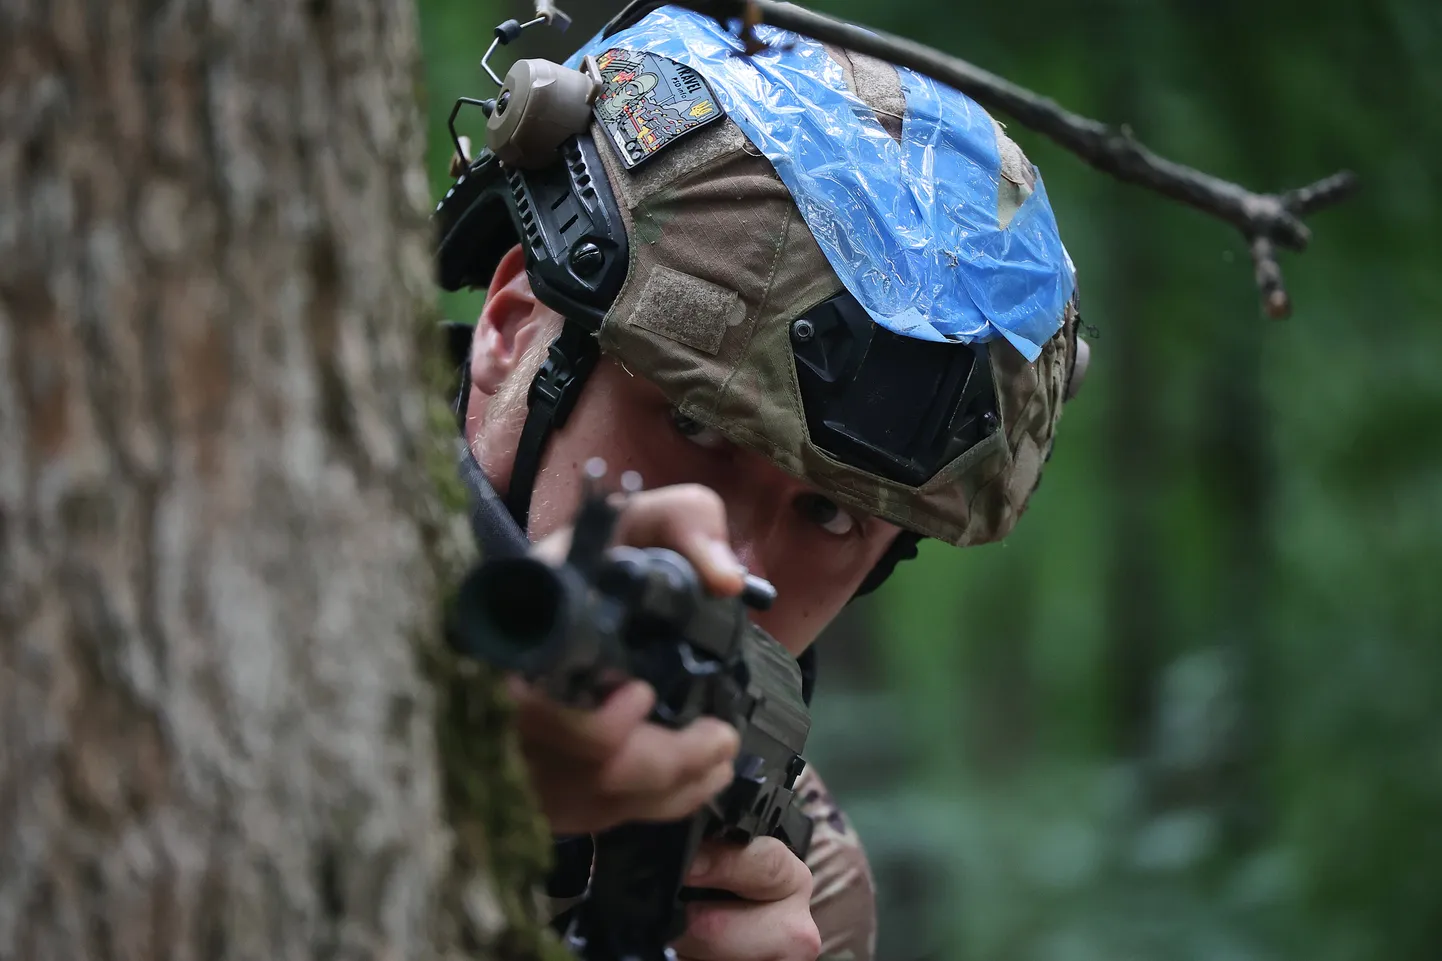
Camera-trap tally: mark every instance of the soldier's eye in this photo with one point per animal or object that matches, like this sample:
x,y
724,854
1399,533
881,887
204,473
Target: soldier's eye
x,y
696,432
826,514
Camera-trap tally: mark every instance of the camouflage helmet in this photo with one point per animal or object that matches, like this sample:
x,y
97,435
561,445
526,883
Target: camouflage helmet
x,y
669,240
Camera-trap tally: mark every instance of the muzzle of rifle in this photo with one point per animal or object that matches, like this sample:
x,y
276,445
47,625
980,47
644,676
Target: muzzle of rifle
x,y
542,622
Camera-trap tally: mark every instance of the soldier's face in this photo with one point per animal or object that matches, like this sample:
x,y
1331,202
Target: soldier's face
x,y
815,552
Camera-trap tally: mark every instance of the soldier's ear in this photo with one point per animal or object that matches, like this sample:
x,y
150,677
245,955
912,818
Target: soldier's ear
x,y
510,322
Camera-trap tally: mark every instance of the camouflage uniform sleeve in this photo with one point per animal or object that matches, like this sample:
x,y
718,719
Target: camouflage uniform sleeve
x,y
843,900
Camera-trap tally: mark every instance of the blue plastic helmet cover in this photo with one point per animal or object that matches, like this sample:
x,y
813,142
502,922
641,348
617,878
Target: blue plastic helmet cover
x,y
911,228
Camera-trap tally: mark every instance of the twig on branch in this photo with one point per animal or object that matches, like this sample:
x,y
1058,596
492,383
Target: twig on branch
x,y
546,10
1323,193
1267,221
1268,272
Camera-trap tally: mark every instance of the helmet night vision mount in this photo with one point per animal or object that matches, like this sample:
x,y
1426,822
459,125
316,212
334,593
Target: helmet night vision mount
x,y
539,181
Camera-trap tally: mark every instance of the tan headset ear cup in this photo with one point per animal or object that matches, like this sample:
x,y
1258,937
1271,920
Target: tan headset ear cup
x,y
540,104
1079,367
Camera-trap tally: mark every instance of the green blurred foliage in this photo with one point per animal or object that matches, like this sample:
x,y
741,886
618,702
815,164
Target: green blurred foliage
x,y
1189,710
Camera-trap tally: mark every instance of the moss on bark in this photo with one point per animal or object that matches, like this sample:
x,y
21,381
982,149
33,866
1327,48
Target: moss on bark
x,y
502,846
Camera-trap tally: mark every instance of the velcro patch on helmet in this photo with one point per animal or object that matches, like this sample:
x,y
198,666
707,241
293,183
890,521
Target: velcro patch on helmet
x,y
647,102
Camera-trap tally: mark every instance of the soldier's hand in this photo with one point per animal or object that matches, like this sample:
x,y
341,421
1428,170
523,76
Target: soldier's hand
x,y
772,923
595,769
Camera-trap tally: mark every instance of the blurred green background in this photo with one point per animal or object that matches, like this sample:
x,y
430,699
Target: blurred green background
x,y
1190,709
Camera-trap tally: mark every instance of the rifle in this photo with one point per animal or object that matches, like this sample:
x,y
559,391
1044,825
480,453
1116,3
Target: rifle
x,y
578,631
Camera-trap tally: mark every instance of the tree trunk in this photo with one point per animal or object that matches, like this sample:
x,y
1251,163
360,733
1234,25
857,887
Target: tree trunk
x,y
221,557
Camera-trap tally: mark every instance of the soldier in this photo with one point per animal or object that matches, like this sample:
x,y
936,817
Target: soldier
x,y
820,305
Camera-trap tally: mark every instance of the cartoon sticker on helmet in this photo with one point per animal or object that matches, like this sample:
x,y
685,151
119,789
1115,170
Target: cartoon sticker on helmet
x,y
648,101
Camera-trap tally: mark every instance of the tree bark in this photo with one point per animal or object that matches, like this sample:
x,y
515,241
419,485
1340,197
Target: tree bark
x,y
229,728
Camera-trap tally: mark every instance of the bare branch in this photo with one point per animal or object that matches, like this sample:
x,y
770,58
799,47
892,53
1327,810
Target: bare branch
x,y
1268,221
1275,302
1323,193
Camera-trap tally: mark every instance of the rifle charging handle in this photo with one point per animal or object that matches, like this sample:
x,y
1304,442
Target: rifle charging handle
x,y
758,593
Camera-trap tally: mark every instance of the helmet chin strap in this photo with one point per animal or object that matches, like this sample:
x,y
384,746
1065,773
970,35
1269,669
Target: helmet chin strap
x,y
569,361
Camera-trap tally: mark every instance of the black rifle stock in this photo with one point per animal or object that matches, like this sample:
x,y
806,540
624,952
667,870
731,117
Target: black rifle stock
x,y
578,631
